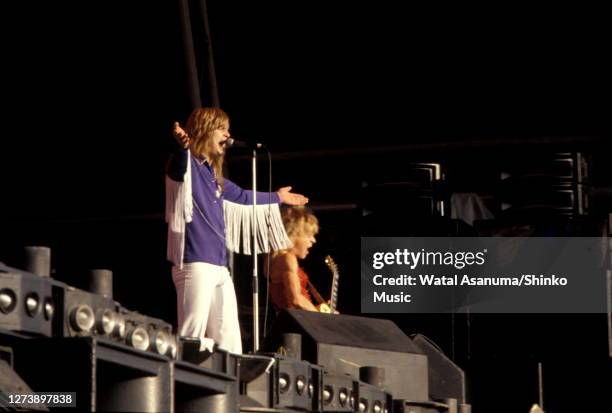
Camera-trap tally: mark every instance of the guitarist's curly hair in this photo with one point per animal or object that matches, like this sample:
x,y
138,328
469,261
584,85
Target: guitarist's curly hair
x,y
299,220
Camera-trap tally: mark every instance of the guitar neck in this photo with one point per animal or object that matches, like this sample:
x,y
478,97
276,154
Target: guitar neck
x,y
333,301
315,293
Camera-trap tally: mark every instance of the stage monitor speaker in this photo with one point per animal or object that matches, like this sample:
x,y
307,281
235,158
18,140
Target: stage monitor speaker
x,y
342,344
446,379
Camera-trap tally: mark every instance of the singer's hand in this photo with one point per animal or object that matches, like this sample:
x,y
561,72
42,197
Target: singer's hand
x,y
289,198
180,135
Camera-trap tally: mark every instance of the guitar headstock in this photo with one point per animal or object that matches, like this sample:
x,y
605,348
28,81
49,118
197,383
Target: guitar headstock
x,y
331,264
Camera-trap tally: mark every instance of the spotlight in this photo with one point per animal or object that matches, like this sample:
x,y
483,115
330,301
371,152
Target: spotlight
x,y
82,318
310,390
8,300
139,338
377,408
32,303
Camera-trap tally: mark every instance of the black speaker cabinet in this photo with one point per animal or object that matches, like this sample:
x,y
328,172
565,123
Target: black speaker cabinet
x,y
81,313
219,360
106,376
26,303
338,393
277,382
369,398
205,381
418,184
157,331
199,389
446,379
342,344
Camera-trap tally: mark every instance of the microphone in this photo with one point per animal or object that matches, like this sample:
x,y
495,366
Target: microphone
x,y
242,144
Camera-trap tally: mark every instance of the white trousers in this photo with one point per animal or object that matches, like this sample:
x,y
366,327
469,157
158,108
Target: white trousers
x,y
207,307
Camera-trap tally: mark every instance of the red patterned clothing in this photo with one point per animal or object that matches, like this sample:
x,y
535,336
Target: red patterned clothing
x,y
278,291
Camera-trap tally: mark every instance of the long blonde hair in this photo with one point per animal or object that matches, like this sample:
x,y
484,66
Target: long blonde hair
x,y
201,124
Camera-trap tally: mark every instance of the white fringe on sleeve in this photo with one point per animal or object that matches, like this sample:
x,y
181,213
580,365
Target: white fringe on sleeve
x,y
271,232
179,211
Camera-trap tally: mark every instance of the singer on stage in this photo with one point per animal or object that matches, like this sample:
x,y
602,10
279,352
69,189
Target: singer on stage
x,y
205,213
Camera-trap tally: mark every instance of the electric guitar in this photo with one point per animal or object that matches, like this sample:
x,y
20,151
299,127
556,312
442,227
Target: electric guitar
x,y
333,301
322,306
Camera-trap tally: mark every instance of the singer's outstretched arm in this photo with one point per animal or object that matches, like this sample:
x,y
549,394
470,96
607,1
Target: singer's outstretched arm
x,y
234,193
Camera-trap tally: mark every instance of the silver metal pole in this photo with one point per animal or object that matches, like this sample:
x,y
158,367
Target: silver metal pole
x,y
254,252
540,386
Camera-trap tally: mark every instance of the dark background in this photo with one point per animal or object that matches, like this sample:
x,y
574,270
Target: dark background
x,y
339,93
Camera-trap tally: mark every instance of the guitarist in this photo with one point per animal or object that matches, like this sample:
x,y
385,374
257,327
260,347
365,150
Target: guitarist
x,y
289,284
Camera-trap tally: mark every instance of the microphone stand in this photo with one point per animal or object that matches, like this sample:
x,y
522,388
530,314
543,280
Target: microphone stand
x,y
254,252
